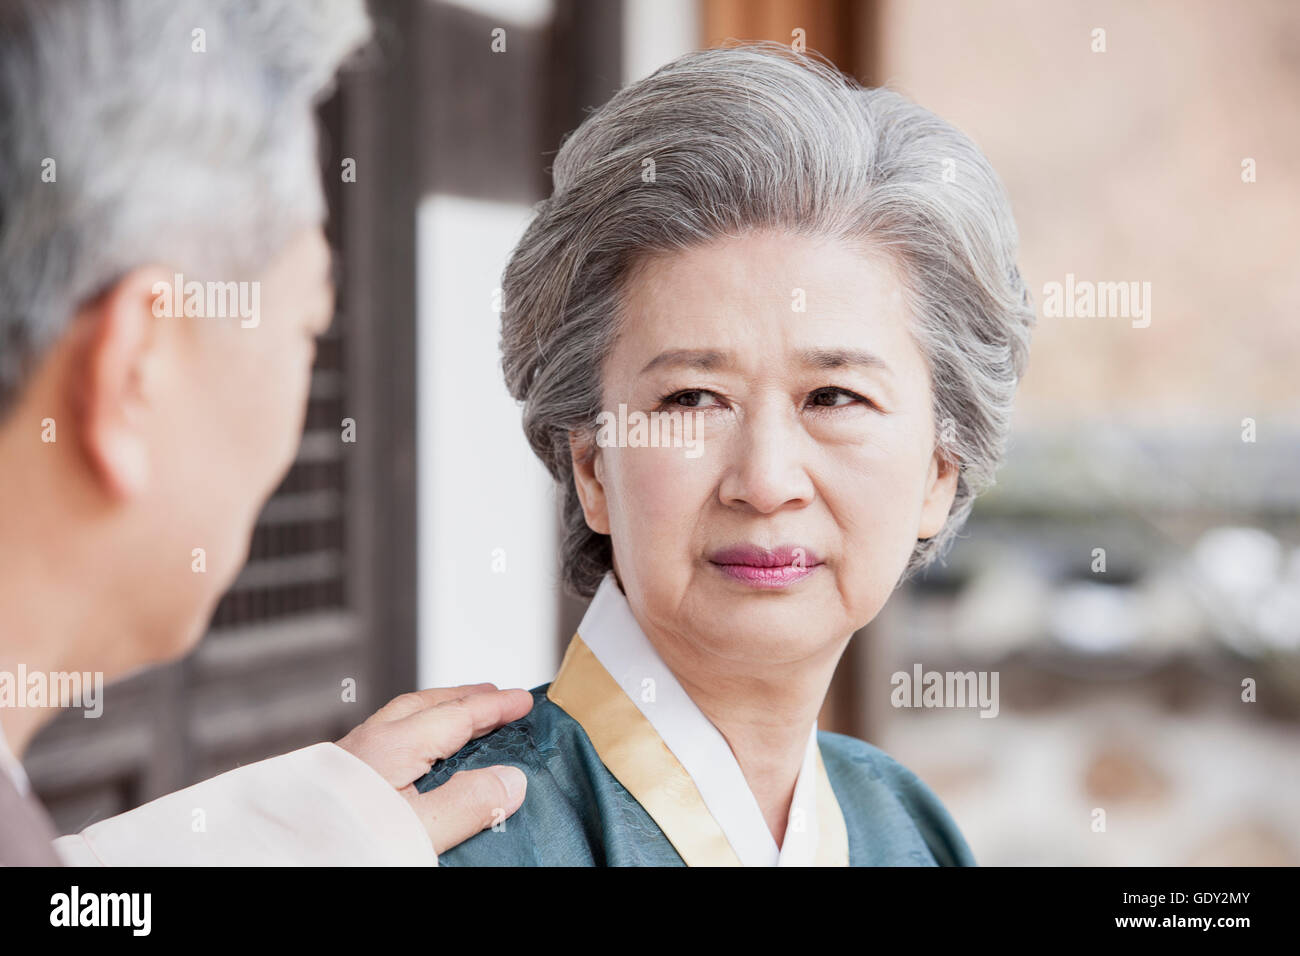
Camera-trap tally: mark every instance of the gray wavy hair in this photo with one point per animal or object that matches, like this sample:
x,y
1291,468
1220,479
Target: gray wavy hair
x,y
160,152
757,136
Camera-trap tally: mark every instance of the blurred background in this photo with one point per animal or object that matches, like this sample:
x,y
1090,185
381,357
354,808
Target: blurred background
x,y
1133,579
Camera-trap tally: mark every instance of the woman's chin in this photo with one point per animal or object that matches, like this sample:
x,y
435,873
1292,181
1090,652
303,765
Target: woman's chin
x,y
764,631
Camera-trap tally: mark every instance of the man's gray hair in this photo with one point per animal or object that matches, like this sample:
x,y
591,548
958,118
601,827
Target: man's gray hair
x,y
752,137
176,132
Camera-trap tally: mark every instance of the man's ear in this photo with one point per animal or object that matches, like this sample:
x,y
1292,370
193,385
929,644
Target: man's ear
x,y
941,490
589,482
115,376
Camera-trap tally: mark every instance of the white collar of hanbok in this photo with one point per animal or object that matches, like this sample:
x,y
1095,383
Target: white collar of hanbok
x,y
674,761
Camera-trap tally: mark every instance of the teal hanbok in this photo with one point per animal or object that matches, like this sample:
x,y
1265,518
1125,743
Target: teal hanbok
x,y
623,770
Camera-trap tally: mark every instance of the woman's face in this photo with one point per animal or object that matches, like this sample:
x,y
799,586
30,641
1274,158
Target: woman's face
x,y
817,452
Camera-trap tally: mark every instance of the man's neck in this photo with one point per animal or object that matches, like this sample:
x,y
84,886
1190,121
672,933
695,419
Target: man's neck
x,y
58,606
37,637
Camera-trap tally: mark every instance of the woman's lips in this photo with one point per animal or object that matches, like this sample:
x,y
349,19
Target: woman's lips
x,y
759,567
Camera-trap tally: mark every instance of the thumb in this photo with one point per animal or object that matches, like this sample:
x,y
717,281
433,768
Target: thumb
x,y
468,803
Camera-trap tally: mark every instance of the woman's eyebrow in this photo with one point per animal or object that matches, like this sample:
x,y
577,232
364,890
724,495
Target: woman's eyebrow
x,y
824,359
704,359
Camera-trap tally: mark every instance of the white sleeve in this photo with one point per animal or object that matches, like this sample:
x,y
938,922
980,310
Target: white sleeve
x,y
319,806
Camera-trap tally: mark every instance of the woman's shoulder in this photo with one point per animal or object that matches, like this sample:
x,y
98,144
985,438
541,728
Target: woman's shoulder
x,y
893,818
528,742
548,746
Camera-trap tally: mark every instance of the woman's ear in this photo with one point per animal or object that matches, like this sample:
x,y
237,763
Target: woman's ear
x,y
940,492
588,479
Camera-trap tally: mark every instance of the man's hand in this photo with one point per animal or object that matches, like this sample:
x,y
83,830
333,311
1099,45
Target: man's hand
x,y
403,738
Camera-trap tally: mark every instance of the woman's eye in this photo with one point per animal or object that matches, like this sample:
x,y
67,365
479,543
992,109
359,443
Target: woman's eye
x,y
835,398
691,398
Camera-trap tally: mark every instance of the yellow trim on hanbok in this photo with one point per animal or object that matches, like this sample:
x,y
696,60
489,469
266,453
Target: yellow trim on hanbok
x,y
636,755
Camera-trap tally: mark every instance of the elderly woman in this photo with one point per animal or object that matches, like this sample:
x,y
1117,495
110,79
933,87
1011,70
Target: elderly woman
x,y
820,281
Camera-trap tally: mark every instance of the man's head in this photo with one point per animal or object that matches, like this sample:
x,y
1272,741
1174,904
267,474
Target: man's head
x,y
163,274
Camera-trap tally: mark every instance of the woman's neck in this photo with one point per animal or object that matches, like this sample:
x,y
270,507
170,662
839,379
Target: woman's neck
x,y
765,716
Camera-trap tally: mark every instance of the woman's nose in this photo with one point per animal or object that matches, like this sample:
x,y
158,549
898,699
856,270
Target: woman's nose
x,y
767,467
